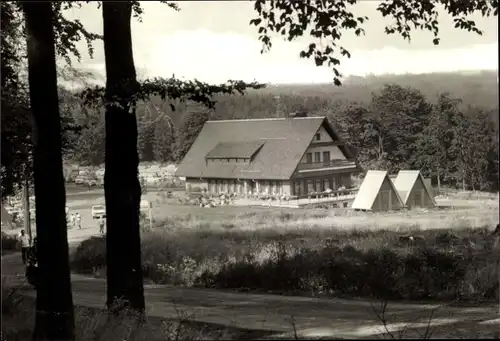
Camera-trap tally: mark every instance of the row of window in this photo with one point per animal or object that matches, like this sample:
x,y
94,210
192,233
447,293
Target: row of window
x,y
234,186
303,187
317,157
226,160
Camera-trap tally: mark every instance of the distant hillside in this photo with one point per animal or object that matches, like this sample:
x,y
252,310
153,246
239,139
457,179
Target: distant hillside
x,y
479,88
476,89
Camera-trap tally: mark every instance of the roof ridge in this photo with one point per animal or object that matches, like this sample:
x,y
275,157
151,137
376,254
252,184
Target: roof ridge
x,y
266,119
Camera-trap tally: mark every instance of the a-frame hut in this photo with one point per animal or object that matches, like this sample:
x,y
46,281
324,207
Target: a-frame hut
x,y
377,193
413,190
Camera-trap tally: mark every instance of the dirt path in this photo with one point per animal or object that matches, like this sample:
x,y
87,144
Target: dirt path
x,y
278,314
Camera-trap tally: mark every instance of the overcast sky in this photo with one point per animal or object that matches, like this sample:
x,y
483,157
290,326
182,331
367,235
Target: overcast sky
x,y
212,41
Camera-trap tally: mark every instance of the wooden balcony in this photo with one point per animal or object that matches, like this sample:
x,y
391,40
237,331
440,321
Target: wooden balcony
x,y
328,165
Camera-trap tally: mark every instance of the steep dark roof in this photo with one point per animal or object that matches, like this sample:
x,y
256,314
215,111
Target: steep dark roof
x,y
285,142
235,149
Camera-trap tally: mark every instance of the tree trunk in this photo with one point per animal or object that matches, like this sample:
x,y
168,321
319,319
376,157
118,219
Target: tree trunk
x,y
26,198
439,181
54,302
121,184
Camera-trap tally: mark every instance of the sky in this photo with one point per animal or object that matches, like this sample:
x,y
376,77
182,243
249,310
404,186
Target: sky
x,y
213,42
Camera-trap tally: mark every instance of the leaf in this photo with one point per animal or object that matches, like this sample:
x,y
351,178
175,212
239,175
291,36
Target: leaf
x,y
255,22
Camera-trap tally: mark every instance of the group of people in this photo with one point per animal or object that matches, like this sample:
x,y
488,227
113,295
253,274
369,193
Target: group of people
x,y
75,220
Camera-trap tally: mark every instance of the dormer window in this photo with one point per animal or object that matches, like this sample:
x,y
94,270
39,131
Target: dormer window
x,y
318,137
229,152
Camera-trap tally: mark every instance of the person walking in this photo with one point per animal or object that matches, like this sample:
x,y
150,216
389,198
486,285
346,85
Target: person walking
x,y
72,219
25,245
78,221
101,225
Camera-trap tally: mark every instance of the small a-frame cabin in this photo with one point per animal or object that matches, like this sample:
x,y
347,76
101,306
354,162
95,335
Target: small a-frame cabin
x,y
413,190
377,193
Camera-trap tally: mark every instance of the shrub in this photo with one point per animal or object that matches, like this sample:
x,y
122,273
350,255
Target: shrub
x,y
426,264
90,255
9,242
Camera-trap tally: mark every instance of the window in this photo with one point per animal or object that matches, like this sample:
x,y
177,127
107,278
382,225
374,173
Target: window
x,y
317,157
310,186
326,158
345,180
309,158
317,186
326,184
318,137
296,188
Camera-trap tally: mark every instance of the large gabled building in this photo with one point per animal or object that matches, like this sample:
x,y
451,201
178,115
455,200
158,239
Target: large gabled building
x,y
293,155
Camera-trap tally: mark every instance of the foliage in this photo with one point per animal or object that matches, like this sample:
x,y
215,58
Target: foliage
x,y
437,264
16,139
190,128
401,114
164,141
327,21
145,140
397,128
9,242
172,89
89,145
16,110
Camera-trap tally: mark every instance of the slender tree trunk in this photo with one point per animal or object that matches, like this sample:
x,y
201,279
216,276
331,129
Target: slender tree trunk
x,y
439,181
54,302
121,183
26,198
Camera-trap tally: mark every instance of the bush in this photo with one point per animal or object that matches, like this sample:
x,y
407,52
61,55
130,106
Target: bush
x,y
9,242
90,255
428,264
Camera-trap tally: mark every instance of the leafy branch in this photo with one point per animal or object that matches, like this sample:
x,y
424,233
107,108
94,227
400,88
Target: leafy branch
x,y
171,89
327,20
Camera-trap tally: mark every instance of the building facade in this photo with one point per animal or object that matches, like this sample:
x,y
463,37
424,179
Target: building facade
x,y
284,156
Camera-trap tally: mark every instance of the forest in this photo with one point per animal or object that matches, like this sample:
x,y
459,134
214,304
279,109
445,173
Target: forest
x,y
444,124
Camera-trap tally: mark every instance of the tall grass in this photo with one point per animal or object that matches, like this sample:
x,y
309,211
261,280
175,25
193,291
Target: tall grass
x,y
316,251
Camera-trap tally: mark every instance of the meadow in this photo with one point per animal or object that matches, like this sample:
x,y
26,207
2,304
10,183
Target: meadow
x,y
439,254
446,254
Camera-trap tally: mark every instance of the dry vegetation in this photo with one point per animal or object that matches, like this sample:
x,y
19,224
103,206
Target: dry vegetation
x,y
442,254
18,312
437,254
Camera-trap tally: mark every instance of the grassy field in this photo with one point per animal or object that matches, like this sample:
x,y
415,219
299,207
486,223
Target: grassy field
x,y
437,254
442,254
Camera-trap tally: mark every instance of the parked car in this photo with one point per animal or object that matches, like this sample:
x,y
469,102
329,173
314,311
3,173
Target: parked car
x,y
98,211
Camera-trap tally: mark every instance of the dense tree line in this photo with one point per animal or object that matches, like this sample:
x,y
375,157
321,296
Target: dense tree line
x,y
455,143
